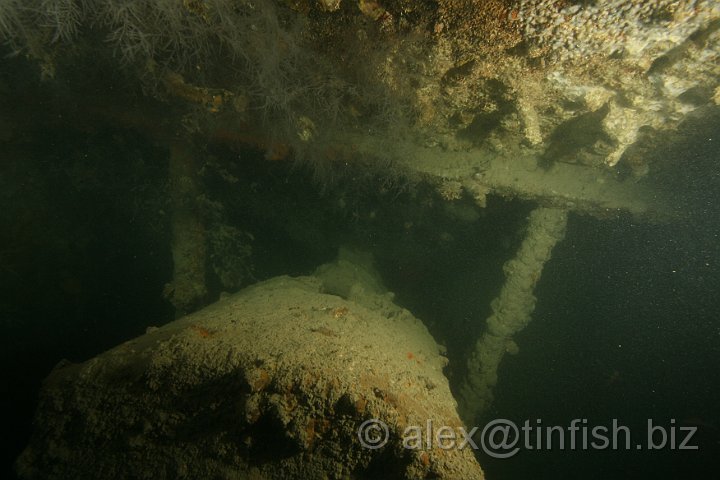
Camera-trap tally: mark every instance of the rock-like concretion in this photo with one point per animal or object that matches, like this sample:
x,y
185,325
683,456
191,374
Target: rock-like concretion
x,y
272,382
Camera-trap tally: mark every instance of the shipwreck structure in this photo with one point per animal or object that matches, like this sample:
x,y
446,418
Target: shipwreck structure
x,y
554,102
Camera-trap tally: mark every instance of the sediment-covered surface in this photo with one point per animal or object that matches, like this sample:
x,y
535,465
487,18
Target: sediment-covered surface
x,y
272,382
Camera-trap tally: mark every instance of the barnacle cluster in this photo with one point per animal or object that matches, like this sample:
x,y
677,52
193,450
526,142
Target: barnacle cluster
x,y
548,65
635,30
636,58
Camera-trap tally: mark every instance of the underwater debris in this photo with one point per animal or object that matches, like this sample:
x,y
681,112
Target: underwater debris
x,y
511,311
222,398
